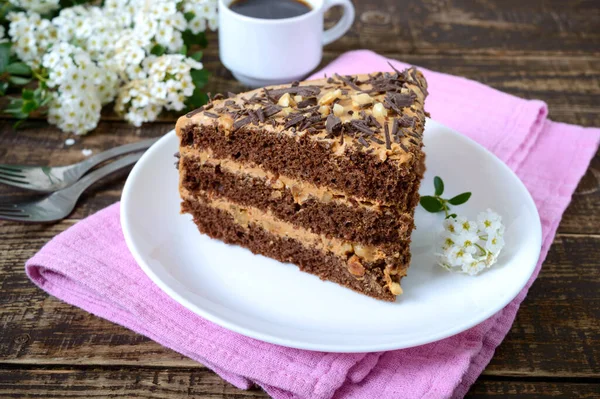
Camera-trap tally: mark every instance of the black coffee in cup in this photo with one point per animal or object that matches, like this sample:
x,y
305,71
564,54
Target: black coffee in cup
x,y
270,9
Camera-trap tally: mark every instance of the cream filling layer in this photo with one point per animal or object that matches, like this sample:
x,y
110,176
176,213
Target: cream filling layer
x,y
300,190
244,215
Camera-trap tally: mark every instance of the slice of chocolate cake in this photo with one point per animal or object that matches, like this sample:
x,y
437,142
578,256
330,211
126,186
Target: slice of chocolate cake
x,y
324,174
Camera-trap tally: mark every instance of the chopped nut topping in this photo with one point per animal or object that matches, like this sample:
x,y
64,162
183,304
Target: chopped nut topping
x,y
330,97
379,111
338,110
355,267
361,99
395,288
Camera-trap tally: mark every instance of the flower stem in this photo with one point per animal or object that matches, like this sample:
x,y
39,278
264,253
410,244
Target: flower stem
x,y
481,249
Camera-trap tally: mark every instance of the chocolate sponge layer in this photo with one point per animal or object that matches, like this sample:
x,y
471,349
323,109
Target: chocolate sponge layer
x,y
347,221
221,225
357,173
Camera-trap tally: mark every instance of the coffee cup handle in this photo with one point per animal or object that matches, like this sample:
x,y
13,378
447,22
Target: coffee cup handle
x,y
331,35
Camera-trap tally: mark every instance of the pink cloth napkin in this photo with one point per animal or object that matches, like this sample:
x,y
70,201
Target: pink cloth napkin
x,y
89,265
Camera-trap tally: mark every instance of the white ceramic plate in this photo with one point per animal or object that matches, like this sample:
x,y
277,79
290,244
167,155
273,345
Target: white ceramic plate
x,y
274,302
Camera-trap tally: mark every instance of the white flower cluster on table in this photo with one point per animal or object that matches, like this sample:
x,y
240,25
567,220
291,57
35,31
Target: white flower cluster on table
x,y
90,56
471,246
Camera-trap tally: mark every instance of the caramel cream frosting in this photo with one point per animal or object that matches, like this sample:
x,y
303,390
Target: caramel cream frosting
x,y
244,215
301,190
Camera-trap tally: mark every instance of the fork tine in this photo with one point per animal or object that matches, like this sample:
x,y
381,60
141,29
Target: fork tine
x,y
13,181
10,173
12,168
14,216
13,210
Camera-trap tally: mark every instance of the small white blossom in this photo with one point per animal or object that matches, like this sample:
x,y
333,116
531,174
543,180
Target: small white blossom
x,y
468,246
489,221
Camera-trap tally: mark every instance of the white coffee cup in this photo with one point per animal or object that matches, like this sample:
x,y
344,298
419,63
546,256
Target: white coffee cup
x,y
261,52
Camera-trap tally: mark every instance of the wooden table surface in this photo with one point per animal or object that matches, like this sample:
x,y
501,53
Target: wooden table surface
x,y
548,50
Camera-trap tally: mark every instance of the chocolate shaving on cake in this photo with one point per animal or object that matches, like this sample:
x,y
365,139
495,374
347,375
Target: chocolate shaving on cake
x,y
194,112
229,103
374,122
358,125
364,142
218,96
261,115
394,68
403,147
375,139
333,123
406,121
295,83
386,130
253,116
241,122
211,115
294,121
394,127
208,106
307,102
271,110
348,81
401,100
304,91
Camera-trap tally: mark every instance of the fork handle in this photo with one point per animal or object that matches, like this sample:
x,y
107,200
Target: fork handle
x,y
82,184
97,159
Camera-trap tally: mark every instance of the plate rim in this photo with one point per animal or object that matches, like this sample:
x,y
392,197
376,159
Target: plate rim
x,y
251,332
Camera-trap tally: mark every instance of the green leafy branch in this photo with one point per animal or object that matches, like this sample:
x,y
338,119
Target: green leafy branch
x,y
435,203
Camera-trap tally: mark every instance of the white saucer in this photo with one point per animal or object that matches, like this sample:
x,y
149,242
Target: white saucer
x,y
275,302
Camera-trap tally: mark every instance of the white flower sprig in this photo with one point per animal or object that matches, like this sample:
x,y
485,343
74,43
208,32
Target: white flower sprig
x,y
471,246
466,246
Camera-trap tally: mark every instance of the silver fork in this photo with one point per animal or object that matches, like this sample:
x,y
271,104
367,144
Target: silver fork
x,y
47,179
60,204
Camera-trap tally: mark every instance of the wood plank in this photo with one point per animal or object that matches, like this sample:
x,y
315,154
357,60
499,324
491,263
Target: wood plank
x,y
119,383
163,383
555,333
485,388
472,26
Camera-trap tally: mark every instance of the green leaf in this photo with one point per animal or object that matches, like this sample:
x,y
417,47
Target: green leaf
x,y
460,199
29,106
4,56
27,94
189,16
183,50
3,87
158,50
438,183
19,81
452,215
197,56
197,99
431,204
189,39
199,77
19,68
